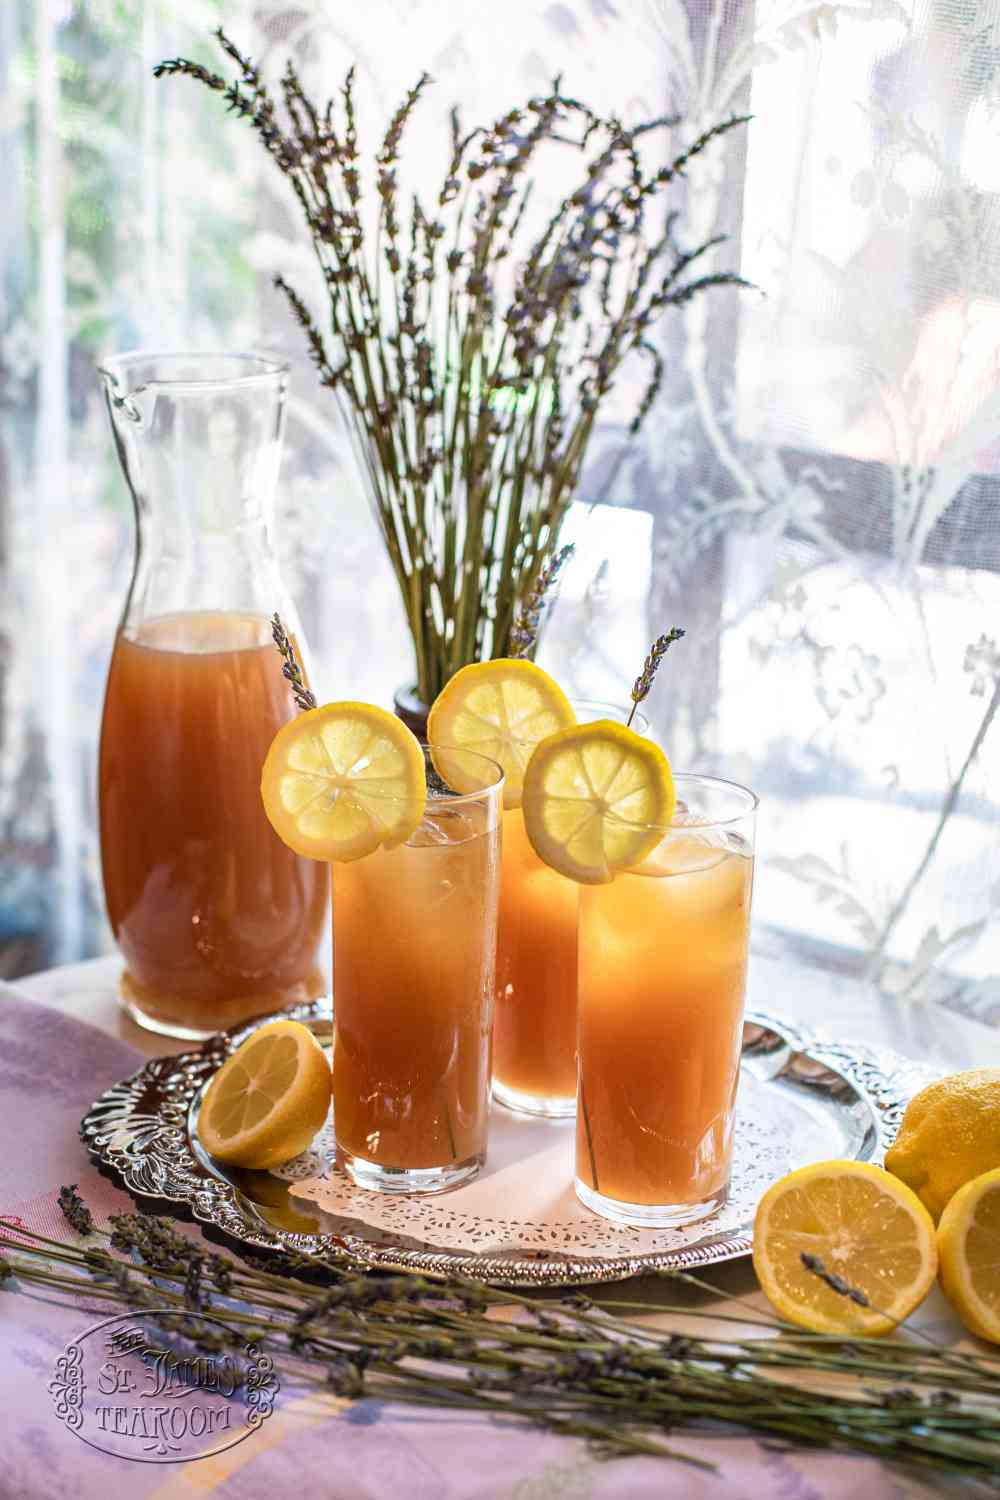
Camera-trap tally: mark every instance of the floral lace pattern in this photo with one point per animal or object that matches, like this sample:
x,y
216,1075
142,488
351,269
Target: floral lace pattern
x,y
813,496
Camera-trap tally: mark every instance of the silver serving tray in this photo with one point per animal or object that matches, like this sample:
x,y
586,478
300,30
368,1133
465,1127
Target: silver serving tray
x,y
832,1099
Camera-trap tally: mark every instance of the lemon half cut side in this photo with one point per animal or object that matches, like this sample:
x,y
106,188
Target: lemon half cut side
x,y
268,1100
861,1225
969,1246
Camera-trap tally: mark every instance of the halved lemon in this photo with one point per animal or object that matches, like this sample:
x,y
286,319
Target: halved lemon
x,y
500,709
268,1100
969,1246
859,1224
590,794
340,780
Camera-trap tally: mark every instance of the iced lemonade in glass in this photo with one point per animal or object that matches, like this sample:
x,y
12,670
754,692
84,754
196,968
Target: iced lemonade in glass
x,y
505,708
415,863
414,933
663,959
502,709
534,1034
665,871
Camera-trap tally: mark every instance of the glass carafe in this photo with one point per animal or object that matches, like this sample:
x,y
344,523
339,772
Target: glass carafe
x,y
216,919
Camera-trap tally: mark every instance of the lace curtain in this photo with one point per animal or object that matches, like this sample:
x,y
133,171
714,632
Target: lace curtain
x,y
814,495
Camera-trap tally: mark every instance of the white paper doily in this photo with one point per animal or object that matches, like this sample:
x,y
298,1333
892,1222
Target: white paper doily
x,y
803,1098
524,1200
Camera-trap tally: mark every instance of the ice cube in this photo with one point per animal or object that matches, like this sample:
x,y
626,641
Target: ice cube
x,y
739,845
685,818
431,830
443,823
684,853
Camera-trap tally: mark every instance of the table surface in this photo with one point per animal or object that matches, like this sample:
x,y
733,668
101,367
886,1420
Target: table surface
x,y
471,1456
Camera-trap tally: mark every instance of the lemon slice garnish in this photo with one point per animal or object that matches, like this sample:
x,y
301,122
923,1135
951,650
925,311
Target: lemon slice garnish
x,y
590,796
340,780
969,1247
268,1100
500,709
864,1226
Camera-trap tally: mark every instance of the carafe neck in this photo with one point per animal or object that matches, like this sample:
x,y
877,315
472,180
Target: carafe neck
x,y
199,441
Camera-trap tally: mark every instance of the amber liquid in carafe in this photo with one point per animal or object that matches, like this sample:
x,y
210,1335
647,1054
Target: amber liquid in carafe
x,y
216,919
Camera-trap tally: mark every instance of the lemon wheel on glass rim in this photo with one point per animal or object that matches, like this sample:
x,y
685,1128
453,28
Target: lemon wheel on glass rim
x,y
342,780
500,709
597,800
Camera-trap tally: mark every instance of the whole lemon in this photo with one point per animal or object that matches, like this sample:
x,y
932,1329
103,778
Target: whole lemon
x,y
950,1134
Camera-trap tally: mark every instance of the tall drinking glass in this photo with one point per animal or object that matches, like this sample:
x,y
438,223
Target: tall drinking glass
x,y
663,962
414,945
534,1034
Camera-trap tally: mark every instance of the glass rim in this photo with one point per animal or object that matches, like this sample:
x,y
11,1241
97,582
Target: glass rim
x,y
752,804
269,367
592,703
619,708
428,747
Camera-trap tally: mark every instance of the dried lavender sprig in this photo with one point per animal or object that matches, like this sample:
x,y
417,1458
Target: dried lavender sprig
x,y
463,1305
619,1385
304,697
843,1288
601,1382
643,684
472,395
524,631
75,1211
585,1114
833,1281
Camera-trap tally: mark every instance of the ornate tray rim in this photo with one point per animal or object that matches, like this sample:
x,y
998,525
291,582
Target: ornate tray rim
x,y
149,1152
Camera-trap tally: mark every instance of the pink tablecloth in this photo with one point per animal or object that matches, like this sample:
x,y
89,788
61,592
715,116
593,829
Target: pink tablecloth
x,y
51,1068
